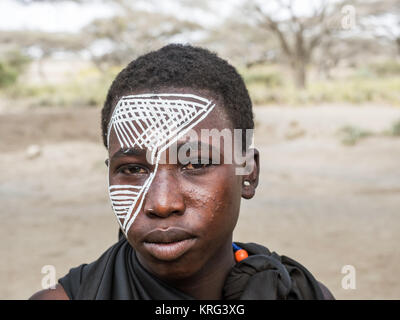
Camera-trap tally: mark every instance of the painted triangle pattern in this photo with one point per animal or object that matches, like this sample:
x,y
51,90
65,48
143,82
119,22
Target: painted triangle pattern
x,y
154,122
148,122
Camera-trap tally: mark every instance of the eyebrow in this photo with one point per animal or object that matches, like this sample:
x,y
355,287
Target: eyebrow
x,y
138,152
132,152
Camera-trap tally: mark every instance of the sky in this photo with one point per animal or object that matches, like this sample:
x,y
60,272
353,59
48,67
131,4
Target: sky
x,y
61,17
69,16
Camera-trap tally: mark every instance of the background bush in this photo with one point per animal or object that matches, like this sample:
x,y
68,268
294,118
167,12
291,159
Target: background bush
x,y
12,65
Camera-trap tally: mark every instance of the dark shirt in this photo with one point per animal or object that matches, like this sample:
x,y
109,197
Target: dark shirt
x,y
118,275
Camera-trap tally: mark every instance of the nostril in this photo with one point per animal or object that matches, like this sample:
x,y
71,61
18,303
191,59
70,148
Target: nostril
x,y
151,213
177,212
162,212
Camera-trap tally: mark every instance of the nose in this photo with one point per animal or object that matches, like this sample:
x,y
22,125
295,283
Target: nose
x,y
164,197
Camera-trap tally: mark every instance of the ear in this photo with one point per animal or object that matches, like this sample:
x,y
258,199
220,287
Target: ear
x,y
250,180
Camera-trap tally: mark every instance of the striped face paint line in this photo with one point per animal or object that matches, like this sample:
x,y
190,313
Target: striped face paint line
x,y
153,122
123,197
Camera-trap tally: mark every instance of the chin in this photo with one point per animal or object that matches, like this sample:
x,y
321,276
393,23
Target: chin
x,y
184,267
176,271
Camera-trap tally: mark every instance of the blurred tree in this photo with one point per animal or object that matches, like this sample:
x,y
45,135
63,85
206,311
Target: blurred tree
x,y
241,43
133,32
44,43
350,52
298,31
12,65
381,19
106,41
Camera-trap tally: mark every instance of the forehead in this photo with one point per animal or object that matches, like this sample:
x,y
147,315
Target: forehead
x,y
147,118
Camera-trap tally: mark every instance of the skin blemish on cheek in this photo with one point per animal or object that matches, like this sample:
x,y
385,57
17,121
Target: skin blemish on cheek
x,y
153,122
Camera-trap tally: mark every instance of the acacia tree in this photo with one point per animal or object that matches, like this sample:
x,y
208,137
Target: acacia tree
x,y
110,41
133,31
298,32
45,43
382,20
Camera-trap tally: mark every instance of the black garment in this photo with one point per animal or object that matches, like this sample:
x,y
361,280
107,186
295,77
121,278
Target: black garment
x,y
118,275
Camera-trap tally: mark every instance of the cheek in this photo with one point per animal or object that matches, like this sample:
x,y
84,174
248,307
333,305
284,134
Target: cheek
x,y
217,202
212,206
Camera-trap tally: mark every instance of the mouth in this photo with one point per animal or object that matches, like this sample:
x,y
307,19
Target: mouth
x,y
168,244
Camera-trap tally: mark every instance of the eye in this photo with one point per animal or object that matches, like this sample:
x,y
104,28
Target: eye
x,y
132,169
193,166
197,165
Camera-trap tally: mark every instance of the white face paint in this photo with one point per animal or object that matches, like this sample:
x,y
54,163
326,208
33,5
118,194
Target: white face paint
x,y
154,122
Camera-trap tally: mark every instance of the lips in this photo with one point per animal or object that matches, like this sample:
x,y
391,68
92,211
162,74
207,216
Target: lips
x,y
167,235
168,244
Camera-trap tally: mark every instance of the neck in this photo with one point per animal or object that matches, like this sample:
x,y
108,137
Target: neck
x,y
208,283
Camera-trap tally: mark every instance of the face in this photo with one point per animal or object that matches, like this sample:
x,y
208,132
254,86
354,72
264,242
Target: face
x,y
184,211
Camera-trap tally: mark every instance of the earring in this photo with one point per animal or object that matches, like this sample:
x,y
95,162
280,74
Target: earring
x,y
246,183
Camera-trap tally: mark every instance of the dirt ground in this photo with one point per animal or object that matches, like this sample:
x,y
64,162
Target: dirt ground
x,y
320,202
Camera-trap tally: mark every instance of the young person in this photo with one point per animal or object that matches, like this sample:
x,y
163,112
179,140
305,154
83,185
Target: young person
x,y
177,217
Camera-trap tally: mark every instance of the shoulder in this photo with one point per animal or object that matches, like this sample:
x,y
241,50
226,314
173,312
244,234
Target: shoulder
x,y
51,294
89,275
325,291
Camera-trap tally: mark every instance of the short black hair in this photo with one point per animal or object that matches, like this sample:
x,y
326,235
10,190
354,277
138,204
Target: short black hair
x,y
183,66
